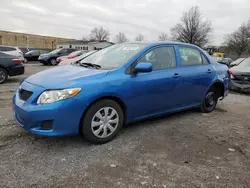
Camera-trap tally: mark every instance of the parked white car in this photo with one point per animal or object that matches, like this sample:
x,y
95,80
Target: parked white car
x,y
15,51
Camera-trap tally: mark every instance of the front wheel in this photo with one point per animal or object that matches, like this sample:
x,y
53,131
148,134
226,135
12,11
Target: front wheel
x,y
209,102
102,122
53,62
3,76
25,60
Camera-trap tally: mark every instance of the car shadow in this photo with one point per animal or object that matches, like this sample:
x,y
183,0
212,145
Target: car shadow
x,y
13,80
159,119
79,141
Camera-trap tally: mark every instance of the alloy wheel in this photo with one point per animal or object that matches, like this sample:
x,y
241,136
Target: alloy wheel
x,y
2,76
53,62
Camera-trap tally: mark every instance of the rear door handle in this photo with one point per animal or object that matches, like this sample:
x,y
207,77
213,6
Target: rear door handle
x,y
209,71
176,75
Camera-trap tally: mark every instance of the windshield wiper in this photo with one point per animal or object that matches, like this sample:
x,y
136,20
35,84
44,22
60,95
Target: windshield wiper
x,y
90,65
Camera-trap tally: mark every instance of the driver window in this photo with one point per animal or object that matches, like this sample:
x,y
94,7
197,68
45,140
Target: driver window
x,y
161,58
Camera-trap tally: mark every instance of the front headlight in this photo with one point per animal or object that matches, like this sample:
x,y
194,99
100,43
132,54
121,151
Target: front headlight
x,y
51,96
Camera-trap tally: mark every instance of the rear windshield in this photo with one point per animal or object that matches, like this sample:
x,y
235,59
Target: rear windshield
x,y
6,49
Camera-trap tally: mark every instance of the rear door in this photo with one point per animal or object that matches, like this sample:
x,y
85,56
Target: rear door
x,y
197,75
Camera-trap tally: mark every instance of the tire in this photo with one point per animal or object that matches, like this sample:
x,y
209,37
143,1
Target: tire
x,y
209,102
25,60
91,124
3,75
52,62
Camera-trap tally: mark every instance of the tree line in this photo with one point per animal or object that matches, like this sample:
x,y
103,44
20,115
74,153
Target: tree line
x,y
192,28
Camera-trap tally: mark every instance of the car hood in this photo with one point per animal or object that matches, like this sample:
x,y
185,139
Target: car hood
x,y
238,69
65,77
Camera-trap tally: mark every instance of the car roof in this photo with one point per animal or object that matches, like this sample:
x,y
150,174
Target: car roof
x,y
9,46
161,42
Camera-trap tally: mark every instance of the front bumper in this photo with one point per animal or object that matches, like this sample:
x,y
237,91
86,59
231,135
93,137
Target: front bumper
x,y
240,86
64,116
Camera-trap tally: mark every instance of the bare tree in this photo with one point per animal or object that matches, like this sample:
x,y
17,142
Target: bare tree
x,y
99,34
163,36
192,28
139,37
120,38
239,40
84,38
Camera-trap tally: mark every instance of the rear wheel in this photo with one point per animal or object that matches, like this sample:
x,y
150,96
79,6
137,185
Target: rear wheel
x,y
53,62
3,75
210,101
102,122
25,60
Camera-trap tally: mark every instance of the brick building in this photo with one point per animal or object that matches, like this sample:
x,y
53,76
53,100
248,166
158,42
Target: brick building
x,y
28,40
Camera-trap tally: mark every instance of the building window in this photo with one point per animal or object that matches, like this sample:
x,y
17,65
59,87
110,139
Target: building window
x,y
70,46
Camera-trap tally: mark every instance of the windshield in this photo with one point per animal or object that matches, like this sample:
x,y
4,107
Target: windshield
x,y
236,62
114,56
245,63
55,51
84,55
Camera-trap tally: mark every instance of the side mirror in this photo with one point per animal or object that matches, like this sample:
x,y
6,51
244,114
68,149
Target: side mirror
x,y
143,67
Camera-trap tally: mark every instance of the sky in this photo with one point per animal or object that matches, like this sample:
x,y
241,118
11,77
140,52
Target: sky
x,y
76,18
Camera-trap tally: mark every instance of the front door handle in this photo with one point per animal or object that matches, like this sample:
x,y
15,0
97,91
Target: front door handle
x,y
209,71
176,75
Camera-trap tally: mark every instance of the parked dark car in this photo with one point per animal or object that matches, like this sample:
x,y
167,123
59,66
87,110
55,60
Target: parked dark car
x,y
10,66
25,50
50,58
34,54
240,76
225,61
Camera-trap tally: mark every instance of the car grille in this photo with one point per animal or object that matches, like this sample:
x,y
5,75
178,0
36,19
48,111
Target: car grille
x,y
242,78
24,94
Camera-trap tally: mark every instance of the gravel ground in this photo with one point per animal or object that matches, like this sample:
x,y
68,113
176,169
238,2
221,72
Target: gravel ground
x,y
187,149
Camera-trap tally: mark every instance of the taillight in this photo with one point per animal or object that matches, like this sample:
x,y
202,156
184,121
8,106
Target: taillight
x,y
17,60
230,74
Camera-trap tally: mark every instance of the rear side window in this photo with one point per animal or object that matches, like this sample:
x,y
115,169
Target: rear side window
x,y
190,56
6,49
24,50
161,58
70,50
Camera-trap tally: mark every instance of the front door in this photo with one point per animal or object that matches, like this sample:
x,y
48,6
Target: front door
x,y
157,91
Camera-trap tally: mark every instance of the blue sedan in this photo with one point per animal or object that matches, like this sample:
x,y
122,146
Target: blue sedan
x,y
118,85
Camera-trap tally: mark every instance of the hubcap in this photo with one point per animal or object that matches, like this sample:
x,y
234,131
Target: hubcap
x,y
210,100
2,76
105,122
53,62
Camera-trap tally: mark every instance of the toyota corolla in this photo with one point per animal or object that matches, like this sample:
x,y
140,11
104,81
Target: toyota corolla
x,y
118,85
